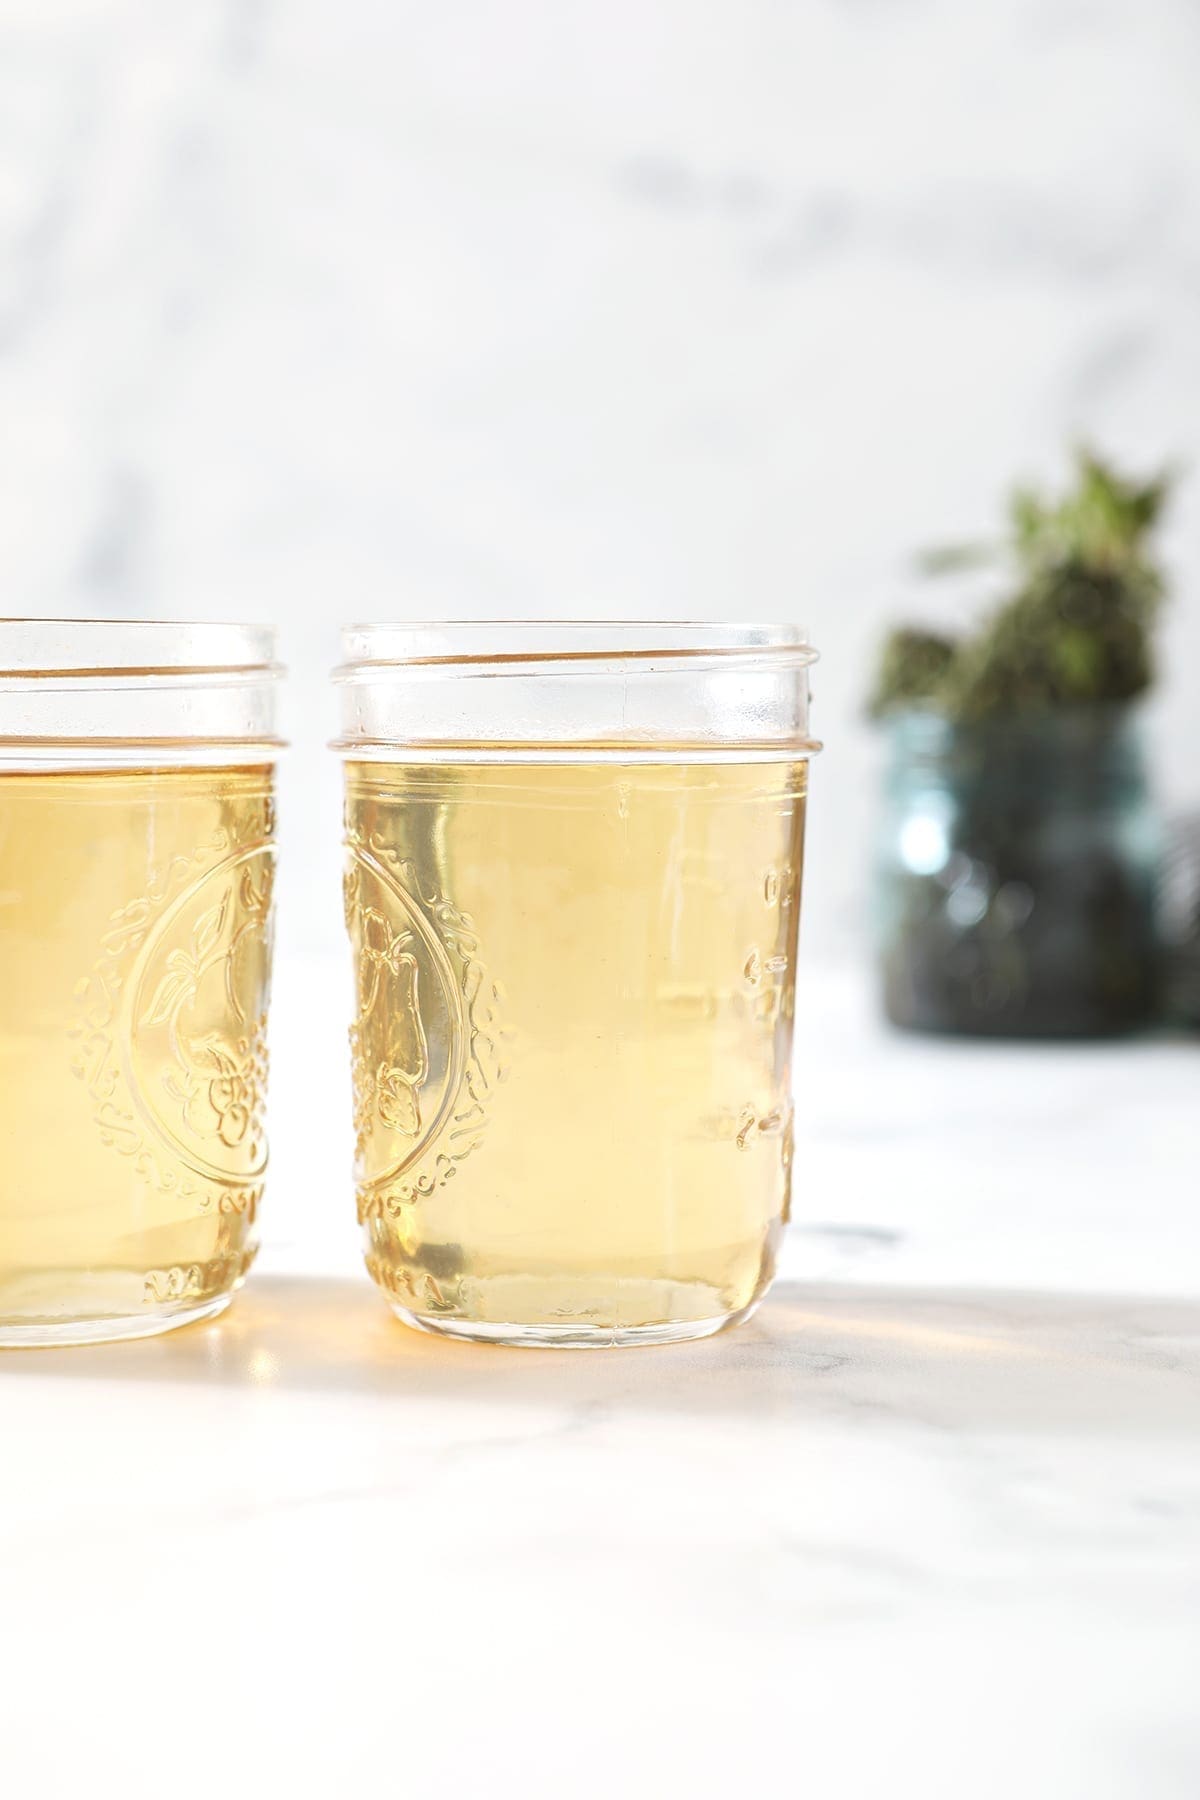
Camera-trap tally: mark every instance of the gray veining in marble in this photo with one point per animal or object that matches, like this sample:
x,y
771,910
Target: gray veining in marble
x,y
931,1540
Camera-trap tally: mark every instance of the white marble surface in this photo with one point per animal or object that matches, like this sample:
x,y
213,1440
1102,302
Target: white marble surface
x,y
929,1525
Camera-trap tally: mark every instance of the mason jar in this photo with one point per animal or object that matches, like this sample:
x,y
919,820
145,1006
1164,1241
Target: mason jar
x,y
137,849
573,867
1016,873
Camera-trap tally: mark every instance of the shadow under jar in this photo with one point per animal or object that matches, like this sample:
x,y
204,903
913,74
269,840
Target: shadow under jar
x,y
572,892
137,827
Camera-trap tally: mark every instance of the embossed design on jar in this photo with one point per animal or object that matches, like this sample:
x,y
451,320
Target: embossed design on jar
x,y
170,1026
425,1043
417,1289
162,1286
765,972
192,1281
199,1016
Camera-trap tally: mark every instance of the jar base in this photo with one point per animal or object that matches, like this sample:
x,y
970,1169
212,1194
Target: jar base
x,y
569,1337
49,1334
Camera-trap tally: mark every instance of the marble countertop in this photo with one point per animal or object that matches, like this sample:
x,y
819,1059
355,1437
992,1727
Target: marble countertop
x,y
929,1524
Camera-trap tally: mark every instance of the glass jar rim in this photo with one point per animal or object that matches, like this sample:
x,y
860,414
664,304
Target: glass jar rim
x,y
527,646
95,648
103,692
567,690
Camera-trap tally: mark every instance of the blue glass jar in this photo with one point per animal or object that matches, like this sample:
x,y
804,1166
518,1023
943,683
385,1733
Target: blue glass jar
x,y
1016,875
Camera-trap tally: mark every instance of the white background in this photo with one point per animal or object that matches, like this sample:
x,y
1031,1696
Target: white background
x,y
560,309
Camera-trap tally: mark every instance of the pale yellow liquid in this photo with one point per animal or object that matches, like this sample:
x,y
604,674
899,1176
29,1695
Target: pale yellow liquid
x,y
572,1047
135,940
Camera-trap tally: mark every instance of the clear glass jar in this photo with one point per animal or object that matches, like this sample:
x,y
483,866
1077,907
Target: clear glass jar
x,y
137,835
572,893
1016,876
